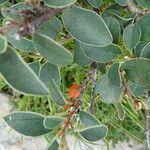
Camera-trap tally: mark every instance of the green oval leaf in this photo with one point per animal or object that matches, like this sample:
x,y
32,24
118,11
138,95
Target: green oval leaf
x,y
51,28
52,122
114,75
95,3
50,72
121,111
59,3
14,12
146,51
137,90
131,36
80,57
27,123
144,24
19,75
54,146
56,94
138,49
114,28
87,27
51,50
121,2
138,71
3,44
102,54
22,43
143,3
3,2
108,92
123,20
102,67
35,66
94,133
87,119
52,138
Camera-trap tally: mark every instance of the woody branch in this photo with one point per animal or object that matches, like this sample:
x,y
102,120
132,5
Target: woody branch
x,y
134,9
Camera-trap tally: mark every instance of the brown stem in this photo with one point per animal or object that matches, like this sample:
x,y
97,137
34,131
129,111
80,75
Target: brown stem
x,y
74,108
146,112
29,25
127,91
93,95
146,122
96,10
7,28
132,8
67,124
136,102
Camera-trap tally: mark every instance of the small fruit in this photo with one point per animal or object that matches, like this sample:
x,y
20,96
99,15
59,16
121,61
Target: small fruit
x,y
66,107
74,91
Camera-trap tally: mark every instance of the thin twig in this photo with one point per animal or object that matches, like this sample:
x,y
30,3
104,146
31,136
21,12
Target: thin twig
x,y
8,27
93,95
29,25
127,91
136,102
72,111
146,112
133,9
146,122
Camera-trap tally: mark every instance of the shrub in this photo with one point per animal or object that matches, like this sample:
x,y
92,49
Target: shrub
x,y
109,40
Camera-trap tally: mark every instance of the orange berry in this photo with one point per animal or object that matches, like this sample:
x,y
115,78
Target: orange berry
x,y
74,91
66,107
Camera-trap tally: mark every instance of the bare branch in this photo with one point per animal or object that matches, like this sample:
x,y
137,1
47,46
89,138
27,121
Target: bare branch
x,y
72,111
132,8
29,25
93,95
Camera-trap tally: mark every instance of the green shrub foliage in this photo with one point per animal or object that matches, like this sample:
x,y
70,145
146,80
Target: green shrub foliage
x,y
109,39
